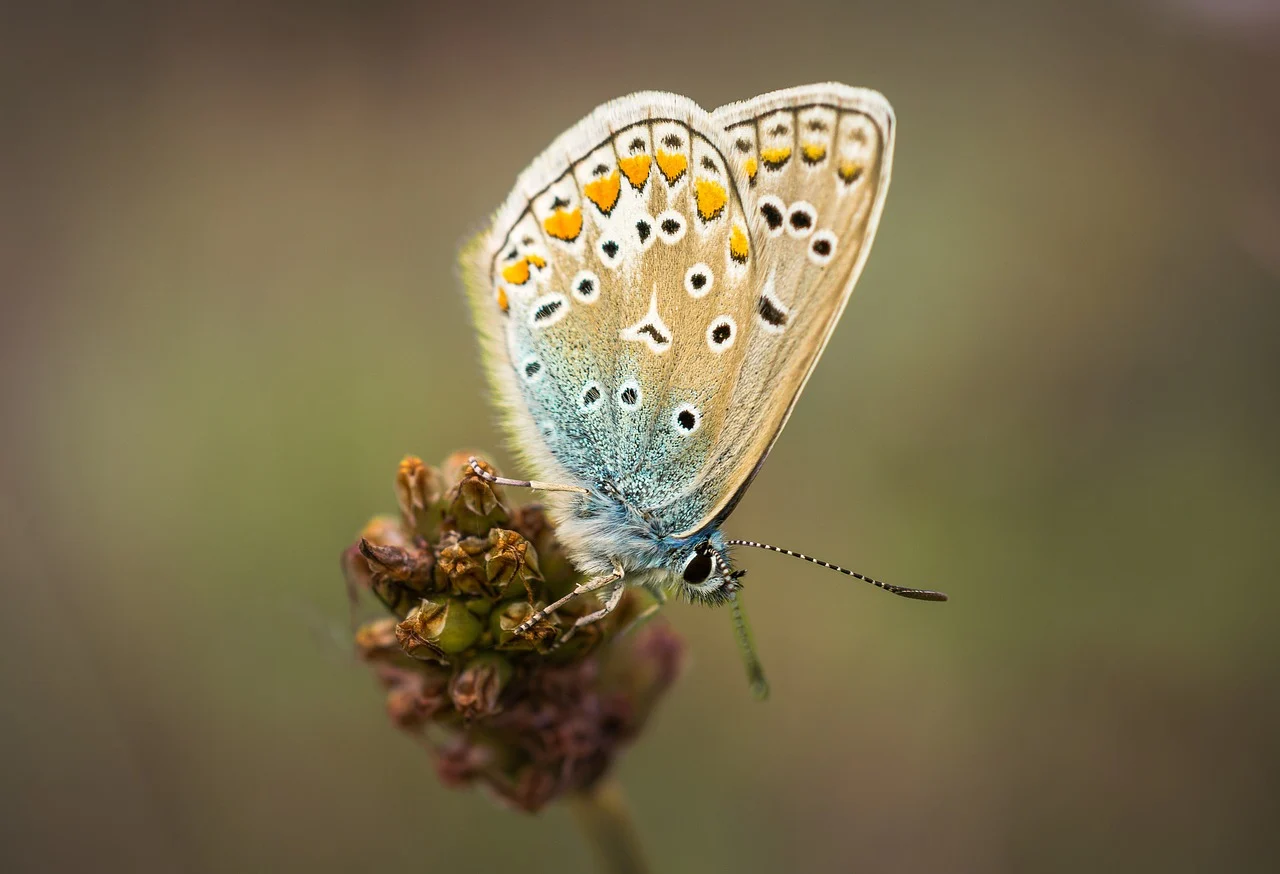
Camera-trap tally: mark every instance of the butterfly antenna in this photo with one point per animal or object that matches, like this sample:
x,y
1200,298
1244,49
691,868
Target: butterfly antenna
x,y
755,670
916,594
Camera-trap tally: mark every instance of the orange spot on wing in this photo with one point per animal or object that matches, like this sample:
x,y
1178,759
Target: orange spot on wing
x,y
603,192
564,224
536,261
637,169
517,273
850,171
775,158
750,167
503,303
711,198
672,165
738,249
812,153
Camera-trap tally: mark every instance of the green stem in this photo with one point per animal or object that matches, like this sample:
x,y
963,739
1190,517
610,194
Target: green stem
x,y
603,816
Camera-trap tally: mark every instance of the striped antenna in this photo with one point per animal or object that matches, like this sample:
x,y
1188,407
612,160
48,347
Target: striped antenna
x,y
917,594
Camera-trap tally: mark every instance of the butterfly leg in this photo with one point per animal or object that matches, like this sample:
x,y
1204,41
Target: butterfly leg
x,y
612,600
521,483
580,589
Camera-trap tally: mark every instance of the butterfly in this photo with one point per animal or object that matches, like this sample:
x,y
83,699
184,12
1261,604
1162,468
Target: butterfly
x,y
651,300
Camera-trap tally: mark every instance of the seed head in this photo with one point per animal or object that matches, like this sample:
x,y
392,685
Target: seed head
x,y
533,715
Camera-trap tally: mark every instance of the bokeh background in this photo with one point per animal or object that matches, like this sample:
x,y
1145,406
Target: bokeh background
x,y
227,236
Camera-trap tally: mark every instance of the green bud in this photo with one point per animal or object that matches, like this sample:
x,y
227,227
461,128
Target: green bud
x,y
480,607
438,626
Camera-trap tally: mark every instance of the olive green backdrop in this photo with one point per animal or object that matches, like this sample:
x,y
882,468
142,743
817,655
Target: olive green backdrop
x,y
230,305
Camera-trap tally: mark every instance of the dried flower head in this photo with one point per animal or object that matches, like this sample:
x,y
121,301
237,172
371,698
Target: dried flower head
x,y
532,715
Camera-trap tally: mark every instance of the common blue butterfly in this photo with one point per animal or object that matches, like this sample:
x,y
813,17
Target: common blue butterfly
x,y
651,300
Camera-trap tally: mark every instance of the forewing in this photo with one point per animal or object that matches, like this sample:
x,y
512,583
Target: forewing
x,y
609,294
813,164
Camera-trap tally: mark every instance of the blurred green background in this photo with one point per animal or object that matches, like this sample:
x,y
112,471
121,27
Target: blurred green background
x,y
230,306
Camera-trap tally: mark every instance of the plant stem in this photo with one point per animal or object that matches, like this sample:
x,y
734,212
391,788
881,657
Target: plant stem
x,y
603,816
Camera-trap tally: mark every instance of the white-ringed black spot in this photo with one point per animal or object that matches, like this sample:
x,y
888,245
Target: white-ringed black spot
x,y
772,210
686,419
643,229
650,329
671,226
629,395
586,287
654,333
721,333
532,369
801,219
610,252
590,398
822,248
698,280
771,314
548,309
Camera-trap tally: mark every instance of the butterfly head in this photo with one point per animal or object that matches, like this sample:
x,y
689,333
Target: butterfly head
x,y
705,573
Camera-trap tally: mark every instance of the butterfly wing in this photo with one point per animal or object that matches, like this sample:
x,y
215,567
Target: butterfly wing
x,y
658,287
609,294
814,165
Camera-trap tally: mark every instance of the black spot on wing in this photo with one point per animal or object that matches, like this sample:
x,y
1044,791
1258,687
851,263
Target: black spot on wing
x,y
547,310
770,313
658,336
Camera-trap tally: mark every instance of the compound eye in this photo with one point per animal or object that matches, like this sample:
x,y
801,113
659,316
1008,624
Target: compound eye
x,y
698,567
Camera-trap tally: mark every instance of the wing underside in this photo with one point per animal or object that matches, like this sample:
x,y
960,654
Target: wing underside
x,y
658,287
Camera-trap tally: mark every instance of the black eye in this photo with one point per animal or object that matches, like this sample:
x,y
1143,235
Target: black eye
x,y
699,567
